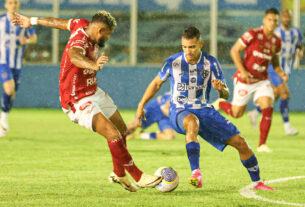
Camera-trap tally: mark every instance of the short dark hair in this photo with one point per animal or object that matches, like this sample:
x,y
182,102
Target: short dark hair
x,y
106,18
191,32
272,11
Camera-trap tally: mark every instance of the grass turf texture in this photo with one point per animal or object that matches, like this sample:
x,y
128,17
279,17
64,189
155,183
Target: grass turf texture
x,y
46,160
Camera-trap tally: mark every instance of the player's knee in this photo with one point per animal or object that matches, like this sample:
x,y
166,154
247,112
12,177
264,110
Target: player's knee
x,y
10,91
191,124
285,96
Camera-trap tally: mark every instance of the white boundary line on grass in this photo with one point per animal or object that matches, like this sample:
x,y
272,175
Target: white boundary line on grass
x,y
249,192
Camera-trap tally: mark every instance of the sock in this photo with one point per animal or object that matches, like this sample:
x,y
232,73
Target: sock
x,y
152,135
6,103
193,153
284,110
123,158
124,138
226,107
252,166
265,124
258,109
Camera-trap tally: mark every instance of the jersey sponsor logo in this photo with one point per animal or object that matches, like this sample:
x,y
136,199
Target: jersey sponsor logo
x,y
247,36
91,81
88,71
261,55
176,64
193,80
258,67
85,105
184,87
242,92
181,99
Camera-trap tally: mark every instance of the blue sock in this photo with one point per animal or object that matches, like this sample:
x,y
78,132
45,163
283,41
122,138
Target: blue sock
x,y
6,103
193,153
252,166
258,109
284,110
153,135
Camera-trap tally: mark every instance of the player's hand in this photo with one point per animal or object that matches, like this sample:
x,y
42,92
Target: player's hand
x,y
101,61
23,40
217,84
299,53
140,115
21,20
285,77
245,76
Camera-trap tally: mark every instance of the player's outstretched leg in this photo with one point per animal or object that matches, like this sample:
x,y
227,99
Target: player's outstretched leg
x,y
249,161
289,130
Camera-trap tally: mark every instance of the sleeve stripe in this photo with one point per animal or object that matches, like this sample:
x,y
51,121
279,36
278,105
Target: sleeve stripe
x,y
69,24
242,42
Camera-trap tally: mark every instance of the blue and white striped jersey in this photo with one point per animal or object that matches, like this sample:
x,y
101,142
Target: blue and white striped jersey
x,y
11,52
191,83
291,40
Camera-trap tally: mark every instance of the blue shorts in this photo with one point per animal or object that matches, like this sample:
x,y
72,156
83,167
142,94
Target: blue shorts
x,y
214,128
275,79
154,114
7,73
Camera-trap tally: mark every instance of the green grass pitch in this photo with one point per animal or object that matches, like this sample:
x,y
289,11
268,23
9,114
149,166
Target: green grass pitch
x,y
46,160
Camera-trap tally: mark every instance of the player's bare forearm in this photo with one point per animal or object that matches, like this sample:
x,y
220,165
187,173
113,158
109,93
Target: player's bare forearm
x,y
236,57
78,59
151,90
53,22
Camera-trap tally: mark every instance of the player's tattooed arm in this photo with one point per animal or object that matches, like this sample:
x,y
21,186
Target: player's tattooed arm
x,y
78,58
25,21
277,67
222,88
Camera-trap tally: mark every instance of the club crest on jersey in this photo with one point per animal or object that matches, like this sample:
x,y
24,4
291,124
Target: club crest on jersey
x,y
181,99
242,92
85,105
204,73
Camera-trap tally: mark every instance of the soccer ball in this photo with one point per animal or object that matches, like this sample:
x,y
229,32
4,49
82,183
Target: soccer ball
x,y
170,181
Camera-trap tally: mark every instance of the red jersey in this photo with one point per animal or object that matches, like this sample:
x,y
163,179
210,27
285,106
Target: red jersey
x,y
76,83
259,52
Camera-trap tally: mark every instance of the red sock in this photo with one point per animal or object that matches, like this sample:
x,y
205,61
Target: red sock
x,y
120,153
226,107
265,124
124,138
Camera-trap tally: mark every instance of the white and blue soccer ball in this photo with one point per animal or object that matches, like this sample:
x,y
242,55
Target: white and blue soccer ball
x,y
170,179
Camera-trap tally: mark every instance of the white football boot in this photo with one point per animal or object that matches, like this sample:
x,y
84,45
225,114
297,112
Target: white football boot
x,y
289,130
124,181
149,180
264,148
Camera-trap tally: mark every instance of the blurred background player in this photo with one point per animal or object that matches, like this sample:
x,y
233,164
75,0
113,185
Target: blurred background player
x,y
193,73
156,111
12,45
82,100
261,47
292,46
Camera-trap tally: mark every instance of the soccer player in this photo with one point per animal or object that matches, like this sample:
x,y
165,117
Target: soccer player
x,y
292,46
156,111
261,47
12,45
192,74
82,100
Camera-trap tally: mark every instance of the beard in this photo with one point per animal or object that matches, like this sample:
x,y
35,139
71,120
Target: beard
x,y
101,42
